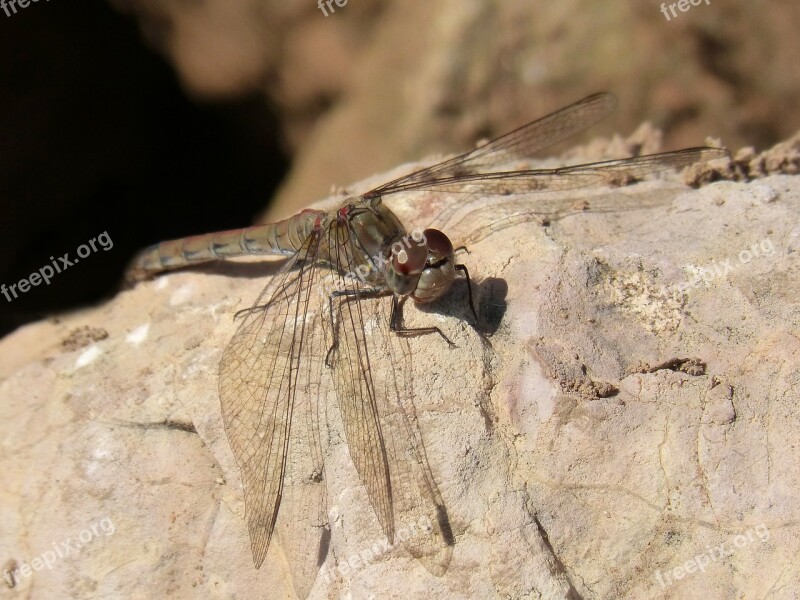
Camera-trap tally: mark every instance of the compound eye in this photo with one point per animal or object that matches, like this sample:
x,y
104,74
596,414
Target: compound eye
x,y
409,259
438,242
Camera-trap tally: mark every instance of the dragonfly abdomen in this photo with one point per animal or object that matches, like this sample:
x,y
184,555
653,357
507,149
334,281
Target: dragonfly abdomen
x,y
284,238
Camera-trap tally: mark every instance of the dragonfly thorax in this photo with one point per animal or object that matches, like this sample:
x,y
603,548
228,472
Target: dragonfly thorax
x,y
417,264
422,268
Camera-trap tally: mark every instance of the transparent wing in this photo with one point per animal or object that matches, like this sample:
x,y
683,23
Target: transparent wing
x,y
355,390
421,521
273,360
522,142
372,371
492,217
475,172
609,172
302,527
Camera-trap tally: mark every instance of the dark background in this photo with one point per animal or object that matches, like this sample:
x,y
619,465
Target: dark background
x,y
97,135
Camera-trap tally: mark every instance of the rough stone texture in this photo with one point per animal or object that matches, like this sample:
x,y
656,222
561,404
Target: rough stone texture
x,y
637,409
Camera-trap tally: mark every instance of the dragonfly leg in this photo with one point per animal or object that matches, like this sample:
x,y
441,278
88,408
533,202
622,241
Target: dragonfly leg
x,y
397,318
245,311
484,338
463,269
355,294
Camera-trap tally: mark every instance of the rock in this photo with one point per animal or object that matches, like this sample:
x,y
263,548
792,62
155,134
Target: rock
x,y
356,96
629,432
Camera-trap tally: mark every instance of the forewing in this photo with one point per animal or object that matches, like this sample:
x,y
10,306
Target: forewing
x,y
474,225
421,521
609,172
372,370
355,390
265,367
522,142
302,527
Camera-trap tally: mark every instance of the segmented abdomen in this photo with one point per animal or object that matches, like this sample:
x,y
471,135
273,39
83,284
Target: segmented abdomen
x,y
281,238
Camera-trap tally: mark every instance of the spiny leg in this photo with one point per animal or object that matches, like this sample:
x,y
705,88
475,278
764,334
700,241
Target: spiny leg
x,y
397,327
355,294
463,269
484,336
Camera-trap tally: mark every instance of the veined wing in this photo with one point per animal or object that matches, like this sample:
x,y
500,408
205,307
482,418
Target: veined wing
x,y
492,217
609,172
420,516
522,142
372,370
269,371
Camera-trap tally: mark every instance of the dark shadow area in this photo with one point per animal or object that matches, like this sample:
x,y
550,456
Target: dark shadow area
x,y
98,136
572,594
257,269
492,305
324,546
489,296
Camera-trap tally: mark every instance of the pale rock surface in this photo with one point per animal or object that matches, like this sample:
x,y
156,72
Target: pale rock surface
x,y
618,427
356,96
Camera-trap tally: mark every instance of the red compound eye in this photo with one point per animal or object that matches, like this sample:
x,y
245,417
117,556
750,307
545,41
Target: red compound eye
x,y
408,259
438,242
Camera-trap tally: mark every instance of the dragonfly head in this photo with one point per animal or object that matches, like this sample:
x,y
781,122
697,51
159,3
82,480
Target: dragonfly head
x,y
422,268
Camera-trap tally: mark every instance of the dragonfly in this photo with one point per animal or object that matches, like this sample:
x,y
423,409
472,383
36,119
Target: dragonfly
x,y
324,316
